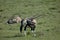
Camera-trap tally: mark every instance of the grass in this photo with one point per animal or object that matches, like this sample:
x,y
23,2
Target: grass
x,y
48,25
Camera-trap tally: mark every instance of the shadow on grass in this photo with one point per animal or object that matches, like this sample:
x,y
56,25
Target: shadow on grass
x,y
13,36
38,34
0,28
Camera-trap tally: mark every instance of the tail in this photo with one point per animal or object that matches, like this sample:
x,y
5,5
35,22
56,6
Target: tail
x,y
35,16
21,27
38,15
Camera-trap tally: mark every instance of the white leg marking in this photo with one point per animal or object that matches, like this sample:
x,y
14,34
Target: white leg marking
x,y
25,33
33,33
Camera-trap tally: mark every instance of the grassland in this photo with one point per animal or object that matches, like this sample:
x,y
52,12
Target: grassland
x,y
48,25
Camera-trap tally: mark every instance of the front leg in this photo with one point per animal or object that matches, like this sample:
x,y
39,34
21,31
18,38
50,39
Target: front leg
x,y
33,29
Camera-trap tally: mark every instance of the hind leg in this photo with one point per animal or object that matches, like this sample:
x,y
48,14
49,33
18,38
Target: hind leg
x,y
21,27
25,30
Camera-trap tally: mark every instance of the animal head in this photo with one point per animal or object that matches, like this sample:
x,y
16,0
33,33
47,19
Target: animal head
x,y
14,19
18,19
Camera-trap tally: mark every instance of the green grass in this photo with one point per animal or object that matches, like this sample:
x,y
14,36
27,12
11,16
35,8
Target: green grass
x,y
48,25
